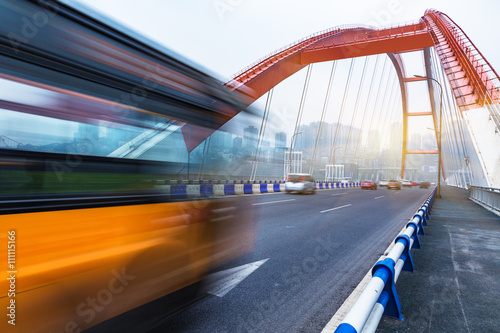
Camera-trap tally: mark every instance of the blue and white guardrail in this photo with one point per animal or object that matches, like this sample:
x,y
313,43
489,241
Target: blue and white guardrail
x,y
379,297
184,190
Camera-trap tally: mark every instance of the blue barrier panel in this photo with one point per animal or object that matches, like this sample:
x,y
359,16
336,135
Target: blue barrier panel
x,y
276,188
338,185
332,185
326,185
321,185
178,191
229,189
263,188
206,190
247,189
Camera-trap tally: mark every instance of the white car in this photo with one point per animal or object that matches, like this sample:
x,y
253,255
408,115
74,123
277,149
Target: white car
x,y
300,182
406,183
383,182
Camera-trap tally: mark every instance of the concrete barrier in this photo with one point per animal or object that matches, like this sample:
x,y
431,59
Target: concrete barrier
x,y
193,190
206,190
178,191
248,188
219,190
239,189
229,189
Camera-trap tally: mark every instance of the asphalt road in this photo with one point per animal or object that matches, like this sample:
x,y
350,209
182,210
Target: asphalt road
x,y
318,248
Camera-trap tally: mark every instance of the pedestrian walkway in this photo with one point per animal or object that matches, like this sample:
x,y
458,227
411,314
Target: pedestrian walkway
x,y
456,283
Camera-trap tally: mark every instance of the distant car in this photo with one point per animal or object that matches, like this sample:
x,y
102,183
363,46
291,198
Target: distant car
x,y
300,182
368,184
383,182
414,183
406,183
394,184
424,184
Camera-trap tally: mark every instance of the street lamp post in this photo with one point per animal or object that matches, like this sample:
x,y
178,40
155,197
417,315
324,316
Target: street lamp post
x,y
291,146
438,195
334,168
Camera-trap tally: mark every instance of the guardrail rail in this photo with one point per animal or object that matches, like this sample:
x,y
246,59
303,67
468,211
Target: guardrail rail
x,y
488,197
379,297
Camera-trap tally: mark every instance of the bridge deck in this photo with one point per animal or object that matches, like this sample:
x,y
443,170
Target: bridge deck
x,y
455,286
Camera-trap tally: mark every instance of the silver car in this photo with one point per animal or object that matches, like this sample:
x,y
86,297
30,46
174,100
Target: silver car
x,y
383,182
300,182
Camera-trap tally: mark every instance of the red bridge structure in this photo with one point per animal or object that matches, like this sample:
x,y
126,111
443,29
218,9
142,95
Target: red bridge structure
x,y
473,81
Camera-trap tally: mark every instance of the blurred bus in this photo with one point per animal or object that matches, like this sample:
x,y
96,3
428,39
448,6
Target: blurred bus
x,y
96,125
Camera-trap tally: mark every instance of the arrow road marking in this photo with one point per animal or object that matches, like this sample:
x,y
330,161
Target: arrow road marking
x,y
220,283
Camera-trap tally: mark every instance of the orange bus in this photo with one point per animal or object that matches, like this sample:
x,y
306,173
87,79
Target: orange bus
x,y
96,126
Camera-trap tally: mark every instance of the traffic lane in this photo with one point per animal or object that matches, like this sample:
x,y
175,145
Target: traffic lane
x,y
299,272
313,265
324,262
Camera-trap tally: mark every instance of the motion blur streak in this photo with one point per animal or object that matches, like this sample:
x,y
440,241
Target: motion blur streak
x,y
96,130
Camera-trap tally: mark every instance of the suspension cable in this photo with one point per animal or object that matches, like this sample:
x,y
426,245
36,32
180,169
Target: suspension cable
x,y
300,111
370,90
375,107
262,132
456,159
346,90
459,121
323,113
206,147
355,107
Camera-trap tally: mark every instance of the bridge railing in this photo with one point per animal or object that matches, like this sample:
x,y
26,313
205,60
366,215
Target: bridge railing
x,y
320,34
379,297
487,197
183,189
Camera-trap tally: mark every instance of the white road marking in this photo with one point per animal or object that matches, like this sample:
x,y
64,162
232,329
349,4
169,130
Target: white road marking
x,y
222,282
339,193
379,197
328,210
270,202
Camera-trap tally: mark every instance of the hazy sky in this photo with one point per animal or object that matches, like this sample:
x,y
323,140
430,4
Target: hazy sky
x,y
225,36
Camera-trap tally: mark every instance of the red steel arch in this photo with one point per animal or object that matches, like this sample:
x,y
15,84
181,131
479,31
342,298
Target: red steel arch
x,y
470,75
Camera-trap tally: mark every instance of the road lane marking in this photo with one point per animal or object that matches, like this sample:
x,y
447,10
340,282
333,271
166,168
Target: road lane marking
x,y
328,210
340,193
379,197
270,202
220,283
